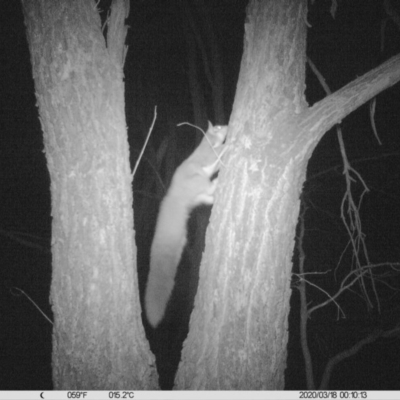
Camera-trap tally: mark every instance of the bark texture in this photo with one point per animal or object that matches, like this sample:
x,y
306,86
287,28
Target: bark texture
x,y
239,327
98,338
238,330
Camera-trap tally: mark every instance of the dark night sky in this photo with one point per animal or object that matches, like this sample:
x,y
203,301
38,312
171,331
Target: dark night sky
x,y
342,48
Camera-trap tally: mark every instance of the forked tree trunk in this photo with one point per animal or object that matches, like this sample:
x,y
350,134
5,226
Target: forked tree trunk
x,y
98,338
239,327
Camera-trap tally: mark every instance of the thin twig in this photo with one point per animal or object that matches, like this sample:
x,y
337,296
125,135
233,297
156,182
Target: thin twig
x,y
22,292
145,143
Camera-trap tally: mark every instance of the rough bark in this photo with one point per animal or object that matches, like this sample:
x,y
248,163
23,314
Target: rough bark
x,y
98,338
238,329
238,332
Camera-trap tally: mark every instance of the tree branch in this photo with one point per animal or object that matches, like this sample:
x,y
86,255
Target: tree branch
x,y
345,354
311,127
117,29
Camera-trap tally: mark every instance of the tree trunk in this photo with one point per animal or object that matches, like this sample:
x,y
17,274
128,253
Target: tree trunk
x,y
98,338
238,329
238,332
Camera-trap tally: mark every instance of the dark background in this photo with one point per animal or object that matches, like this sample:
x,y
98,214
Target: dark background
x,y
342,48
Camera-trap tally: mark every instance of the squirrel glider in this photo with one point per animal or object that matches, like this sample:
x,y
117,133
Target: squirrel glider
x,y
190,187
